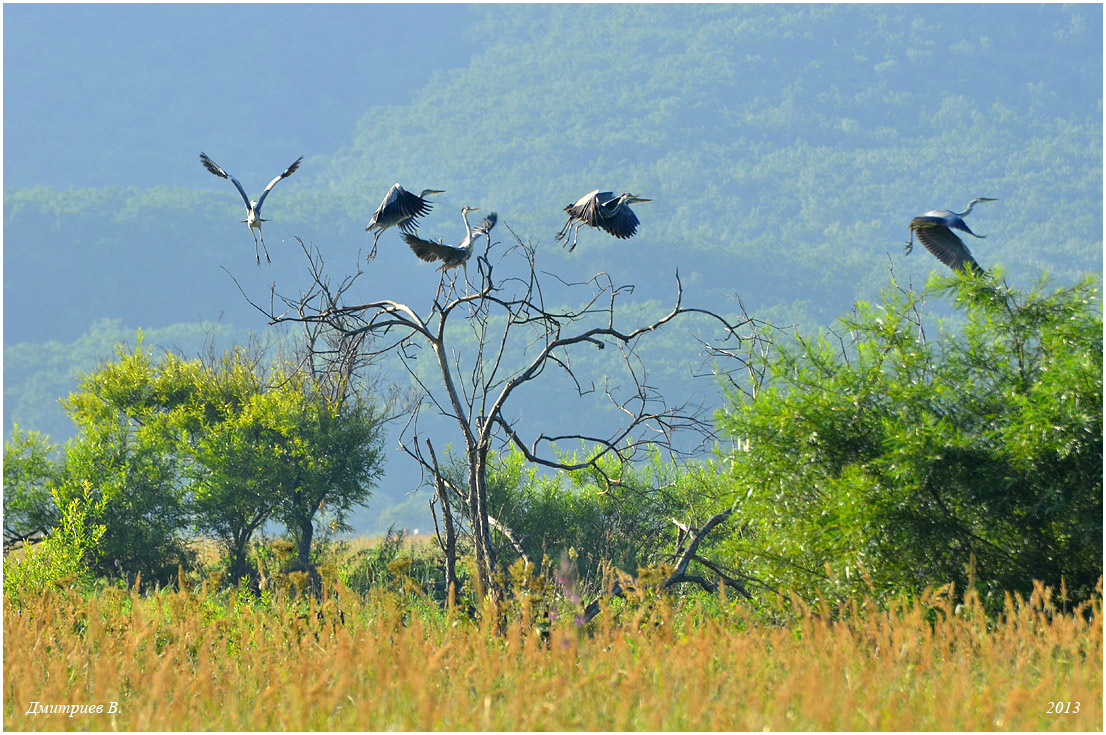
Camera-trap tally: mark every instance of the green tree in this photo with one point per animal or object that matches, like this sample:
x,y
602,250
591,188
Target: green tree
x,y
893,460
616,513
270,444
30,473
132,468
332,451
224,446
224,433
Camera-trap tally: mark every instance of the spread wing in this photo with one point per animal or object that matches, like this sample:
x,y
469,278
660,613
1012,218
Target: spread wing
x,y
622,223
431,251
400,207
286,173
218,171
945,246
484,226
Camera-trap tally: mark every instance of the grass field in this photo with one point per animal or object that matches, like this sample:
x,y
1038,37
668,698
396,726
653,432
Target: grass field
x,y
196,660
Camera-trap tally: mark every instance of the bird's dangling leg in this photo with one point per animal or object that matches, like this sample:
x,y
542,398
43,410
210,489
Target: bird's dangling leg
x,y
910,244
563,231
256,252
262,236
576,237
372,253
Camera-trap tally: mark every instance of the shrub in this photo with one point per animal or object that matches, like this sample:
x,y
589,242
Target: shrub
x,y
63,557
895,459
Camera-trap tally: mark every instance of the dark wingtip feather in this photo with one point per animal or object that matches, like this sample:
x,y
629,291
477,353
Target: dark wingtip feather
x,y
291,169
211,166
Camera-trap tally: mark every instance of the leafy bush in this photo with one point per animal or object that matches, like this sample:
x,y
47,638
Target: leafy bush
x,y
615,514
897,460
63,557
132,469
393,563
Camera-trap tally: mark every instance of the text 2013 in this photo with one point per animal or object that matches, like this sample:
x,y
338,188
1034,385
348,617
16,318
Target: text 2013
x,y
1063,708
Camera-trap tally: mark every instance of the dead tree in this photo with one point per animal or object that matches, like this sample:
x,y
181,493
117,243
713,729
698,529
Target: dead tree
x,y
491,340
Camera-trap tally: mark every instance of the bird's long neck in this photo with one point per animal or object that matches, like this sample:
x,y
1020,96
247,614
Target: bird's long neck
x,y
966,211
468,228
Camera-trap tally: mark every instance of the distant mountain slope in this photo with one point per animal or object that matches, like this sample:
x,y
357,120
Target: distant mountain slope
x,y
245,82
785,149
798,139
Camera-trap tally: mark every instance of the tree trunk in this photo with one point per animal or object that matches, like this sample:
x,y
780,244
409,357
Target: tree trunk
x,y
238,567
481,529
303,543
449,545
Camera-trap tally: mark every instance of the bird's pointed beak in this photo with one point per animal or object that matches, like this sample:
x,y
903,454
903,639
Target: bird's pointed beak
x,y
635,200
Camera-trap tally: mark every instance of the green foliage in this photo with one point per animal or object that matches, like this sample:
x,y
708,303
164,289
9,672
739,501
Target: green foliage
x,y
30,474
131,467
331,453
223,424
172,443
36,374
896,461
393,563
63,557
614,514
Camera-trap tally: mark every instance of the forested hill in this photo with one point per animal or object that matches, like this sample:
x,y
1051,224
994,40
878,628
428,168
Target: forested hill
x,y
785,149
793,141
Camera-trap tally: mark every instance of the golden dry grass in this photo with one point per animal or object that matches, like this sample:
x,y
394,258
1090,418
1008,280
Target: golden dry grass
x,y
184,661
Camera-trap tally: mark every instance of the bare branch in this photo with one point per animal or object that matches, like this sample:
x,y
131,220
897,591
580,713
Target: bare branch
x,y
517,335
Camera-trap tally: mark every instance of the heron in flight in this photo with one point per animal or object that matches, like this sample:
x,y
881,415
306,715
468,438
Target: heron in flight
x,y
602,209
400,208
253,209
450,256
935,230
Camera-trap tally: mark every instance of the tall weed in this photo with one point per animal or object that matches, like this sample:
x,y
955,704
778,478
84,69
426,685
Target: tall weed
x,y
228,660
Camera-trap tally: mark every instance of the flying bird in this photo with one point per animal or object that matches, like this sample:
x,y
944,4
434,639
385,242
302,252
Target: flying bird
x,y
935,230
602,209
400,208
253,209
450,256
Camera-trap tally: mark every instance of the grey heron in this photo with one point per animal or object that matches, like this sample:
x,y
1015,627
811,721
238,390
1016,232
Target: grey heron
x,y
935,231
400,208
602,209
450,256
253,209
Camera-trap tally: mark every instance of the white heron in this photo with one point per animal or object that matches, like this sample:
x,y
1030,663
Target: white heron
x,y
935,231
450,256
253,209
400,208
602,209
